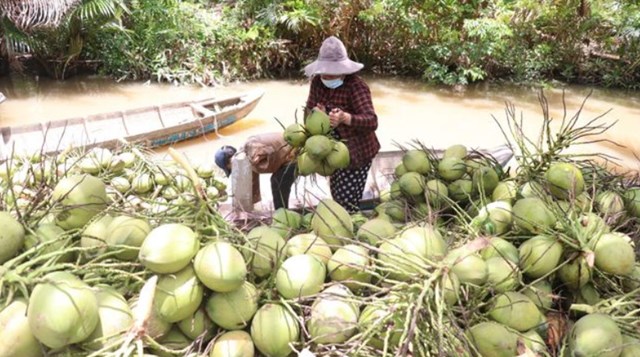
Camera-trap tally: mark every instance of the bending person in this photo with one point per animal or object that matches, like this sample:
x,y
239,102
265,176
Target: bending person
x,y
267,153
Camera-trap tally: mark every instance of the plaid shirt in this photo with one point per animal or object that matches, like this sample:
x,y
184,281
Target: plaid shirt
x,y
353,97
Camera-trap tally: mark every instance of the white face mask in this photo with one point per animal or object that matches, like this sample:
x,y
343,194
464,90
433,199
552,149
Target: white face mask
x,y
332,83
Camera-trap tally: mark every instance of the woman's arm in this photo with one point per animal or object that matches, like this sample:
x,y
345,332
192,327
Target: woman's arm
x,y
364,115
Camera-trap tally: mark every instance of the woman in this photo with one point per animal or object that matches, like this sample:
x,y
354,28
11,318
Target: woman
x,y
346,98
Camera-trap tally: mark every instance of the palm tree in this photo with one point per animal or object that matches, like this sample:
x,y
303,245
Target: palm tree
x,y
52,32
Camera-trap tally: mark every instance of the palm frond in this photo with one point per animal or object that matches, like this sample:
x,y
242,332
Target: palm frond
x,y
31,14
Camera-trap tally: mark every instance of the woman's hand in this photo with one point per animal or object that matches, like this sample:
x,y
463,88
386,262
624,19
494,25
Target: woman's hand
x,y
337,117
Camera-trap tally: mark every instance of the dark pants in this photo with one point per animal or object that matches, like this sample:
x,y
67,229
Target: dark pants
x,y
281,182
347,186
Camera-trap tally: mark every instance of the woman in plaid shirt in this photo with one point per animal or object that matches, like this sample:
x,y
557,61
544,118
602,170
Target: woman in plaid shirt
x,y
346,98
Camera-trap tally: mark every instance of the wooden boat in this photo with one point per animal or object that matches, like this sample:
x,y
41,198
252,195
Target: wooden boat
x,y
151,126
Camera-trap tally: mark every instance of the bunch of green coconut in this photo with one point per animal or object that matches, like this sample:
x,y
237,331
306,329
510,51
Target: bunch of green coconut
x,y
459,259
133,179
317,152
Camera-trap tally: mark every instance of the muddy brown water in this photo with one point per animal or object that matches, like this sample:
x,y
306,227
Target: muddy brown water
x,y
408,110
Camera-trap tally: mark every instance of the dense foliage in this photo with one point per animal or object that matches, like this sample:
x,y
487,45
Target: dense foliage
x,y
442,41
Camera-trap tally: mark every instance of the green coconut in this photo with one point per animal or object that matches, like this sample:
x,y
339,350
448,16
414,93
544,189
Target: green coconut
x,y
436,193
155,326
494,218
541,293
485,179
416,161
220,267
274,329
632,201
233,344
350,265
412,184
589,227
173,340
381,324
16,338
395,210
502,274
78,198
168,248
587,294
611,205
493,339
505,191
631,347
595,335
287,217
532,189
515,310
460,190
394,190
62,310
300,275
264,250
468,266
116,318
499,247
324,169
11,237
614,254
532,215
332,223
450,285
306,165
334,316
178,295
575,273
339,157
457,151
94,236
295,135
426,241
399,259
129,232
534,342
308,243
318,147
197,325
400,170
317,123
233,310
632,281
564,180
540,255
306,220
53,238
376,231
451,168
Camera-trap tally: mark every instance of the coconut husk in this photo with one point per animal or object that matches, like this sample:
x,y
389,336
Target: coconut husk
x,y
28,15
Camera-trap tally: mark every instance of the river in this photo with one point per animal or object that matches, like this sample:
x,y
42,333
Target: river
x,y
408,110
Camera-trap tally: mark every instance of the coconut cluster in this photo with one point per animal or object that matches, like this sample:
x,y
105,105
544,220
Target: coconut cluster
x,y
459,257
317,151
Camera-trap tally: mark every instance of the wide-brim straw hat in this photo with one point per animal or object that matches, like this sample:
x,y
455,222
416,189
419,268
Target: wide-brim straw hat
x,y
332,59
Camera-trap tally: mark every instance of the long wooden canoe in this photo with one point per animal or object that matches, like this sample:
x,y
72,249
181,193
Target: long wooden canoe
x,y
151,126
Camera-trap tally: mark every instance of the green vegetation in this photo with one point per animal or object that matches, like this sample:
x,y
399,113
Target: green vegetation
x,y
442,41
